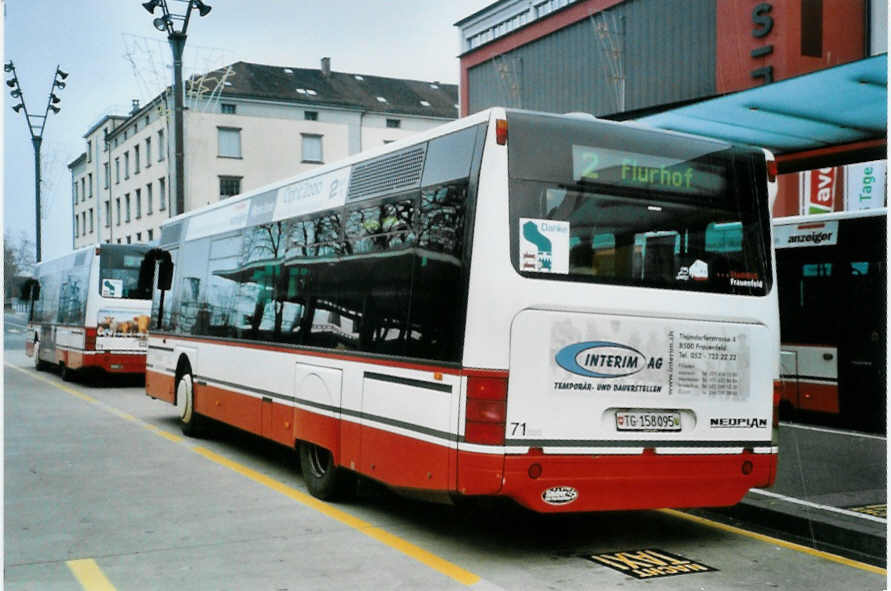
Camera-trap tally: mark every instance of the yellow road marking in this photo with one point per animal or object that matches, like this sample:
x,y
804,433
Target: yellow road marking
x,y
89,576
771,540
423,556
435,562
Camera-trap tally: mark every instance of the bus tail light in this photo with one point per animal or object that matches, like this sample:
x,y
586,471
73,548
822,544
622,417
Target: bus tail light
x,y
772,171
775,424
501,132
486,410
90,339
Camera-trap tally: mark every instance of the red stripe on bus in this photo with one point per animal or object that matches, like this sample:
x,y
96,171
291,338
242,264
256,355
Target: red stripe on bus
x,y
811,226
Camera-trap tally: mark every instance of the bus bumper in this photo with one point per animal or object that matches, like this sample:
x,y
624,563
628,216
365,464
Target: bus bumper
x,y
648,481
116,362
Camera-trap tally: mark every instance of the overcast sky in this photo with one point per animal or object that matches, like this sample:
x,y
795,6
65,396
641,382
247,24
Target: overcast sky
x,y
113,55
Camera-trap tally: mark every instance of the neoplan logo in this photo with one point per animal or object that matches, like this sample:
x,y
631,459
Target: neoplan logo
x,y
738,423
604,359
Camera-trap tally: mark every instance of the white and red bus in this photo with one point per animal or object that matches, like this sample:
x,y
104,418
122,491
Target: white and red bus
x,y
87,313
573,313
832,285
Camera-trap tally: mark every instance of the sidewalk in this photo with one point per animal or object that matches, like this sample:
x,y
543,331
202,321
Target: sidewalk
x,y
830,493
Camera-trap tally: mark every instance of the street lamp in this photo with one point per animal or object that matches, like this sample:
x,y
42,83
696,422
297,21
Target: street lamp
x,y
36,124
177,38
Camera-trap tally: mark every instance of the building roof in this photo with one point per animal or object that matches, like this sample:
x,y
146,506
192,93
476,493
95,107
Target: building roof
x,y
336,89
77,161
101,121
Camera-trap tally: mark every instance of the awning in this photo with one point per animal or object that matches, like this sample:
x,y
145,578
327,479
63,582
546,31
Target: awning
x,y
839,114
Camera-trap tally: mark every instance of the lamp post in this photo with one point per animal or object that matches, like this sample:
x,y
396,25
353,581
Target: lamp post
x,y
177,38
36,124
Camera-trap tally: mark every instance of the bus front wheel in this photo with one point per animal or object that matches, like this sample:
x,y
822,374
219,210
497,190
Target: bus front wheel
x,y
323,479
190,421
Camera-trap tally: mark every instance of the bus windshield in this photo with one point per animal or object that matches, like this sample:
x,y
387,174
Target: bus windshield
x,y
119,272
587,204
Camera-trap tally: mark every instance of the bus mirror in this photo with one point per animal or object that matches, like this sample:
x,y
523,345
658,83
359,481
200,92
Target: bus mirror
x,y
147,270
31,289
165,273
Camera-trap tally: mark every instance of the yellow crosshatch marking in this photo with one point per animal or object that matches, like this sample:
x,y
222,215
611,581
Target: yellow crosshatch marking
x,y
88,574
880,510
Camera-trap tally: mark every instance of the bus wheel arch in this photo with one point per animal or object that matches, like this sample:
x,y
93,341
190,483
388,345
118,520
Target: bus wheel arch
x,y
324,479
39,364
184,398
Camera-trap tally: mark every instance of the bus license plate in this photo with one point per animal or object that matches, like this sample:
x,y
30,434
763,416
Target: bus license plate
x,y
648,421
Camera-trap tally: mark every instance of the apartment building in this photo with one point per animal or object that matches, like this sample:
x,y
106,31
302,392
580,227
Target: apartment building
x,y
245,125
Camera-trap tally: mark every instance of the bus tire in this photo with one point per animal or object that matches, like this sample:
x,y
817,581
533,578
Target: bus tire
x,y
323,479
190,421
66,373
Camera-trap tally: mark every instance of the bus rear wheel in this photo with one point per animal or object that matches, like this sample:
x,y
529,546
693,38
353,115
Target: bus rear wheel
x,y
66,372
190,421
323,479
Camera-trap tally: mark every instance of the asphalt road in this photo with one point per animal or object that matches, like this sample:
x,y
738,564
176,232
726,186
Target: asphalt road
x,y
102,489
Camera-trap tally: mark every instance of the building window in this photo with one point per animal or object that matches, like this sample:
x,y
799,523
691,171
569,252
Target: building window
x,y
105,143
161,148
312,148
128,239
117,203
162,194
76,225
83,223
117,170
146,120
229,186
138,236
394,123
90,185
89,151
311,115
151,235
126,165
229,142
127,206
227,108
148,152
148,199
83,189
138,203
75,192
107,175
91,220
135,159
107,214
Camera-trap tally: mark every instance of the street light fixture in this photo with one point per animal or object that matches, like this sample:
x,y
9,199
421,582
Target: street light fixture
x,y
177,38
36,125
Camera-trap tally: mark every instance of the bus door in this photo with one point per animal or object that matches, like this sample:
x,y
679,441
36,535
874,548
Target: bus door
x,y
861,344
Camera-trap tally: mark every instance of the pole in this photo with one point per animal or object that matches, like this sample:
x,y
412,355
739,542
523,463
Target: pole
x,y
177,44
36,140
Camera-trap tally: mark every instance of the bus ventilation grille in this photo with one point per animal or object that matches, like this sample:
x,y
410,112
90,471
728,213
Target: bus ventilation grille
x,y
388,174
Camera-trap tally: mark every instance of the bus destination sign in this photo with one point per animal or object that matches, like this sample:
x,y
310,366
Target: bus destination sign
x,y
646,171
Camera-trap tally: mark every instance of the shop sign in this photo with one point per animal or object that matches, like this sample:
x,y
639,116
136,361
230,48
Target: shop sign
x,y
866,185
818,190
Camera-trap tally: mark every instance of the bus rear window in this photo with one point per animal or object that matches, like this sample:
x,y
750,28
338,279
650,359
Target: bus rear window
x,y
597,202
119,273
